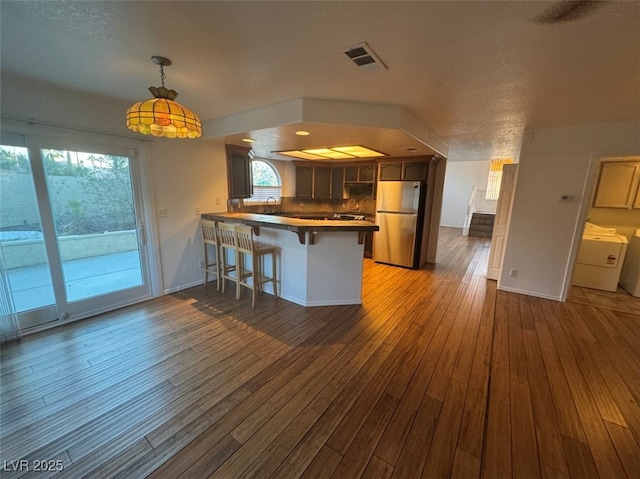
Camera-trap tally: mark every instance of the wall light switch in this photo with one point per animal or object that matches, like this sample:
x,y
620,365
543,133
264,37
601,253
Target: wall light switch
x,y
217,200
163,212
198,210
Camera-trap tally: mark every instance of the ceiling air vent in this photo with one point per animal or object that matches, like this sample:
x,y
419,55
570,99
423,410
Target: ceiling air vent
x,y
362,55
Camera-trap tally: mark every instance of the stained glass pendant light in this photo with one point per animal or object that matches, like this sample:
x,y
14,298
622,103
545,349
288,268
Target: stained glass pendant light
x,y
161,116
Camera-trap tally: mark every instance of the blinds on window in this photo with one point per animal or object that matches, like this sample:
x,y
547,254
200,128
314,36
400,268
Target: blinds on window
x,y
261,193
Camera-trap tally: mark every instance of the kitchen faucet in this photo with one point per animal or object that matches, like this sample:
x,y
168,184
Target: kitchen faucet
x,y
267,209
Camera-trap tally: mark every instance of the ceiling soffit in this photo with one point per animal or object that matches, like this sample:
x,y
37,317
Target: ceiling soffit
x,y
360,122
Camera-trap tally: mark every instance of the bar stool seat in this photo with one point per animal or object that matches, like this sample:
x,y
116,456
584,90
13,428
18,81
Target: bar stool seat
x,y
228,248
211,261
253,253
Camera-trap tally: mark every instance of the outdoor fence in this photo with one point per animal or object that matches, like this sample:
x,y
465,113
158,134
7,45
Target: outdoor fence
x,y
31,252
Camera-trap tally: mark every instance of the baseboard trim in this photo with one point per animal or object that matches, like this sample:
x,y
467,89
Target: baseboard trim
x,y
531,293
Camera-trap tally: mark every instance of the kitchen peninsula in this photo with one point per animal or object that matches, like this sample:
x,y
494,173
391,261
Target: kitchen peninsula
x,y
319,261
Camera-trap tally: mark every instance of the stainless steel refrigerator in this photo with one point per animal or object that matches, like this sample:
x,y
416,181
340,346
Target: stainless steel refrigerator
x,y
399,214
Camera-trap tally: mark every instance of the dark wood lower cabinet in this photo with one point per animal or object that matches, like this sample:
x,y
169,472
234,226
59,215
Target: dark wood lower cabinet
x,y
368,245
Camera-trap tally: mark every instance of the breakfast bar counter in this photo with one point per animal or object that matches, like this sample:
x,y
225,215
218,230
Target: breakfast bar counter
x,y
306,229
320,264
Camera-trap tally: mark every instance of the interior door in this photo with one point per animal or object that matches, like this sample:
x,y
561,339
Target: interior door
x,y
88,253
501,224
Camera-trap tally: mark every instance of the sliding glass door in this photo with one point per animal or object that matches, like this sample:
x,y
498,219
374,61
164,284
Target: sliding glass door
x,y
71,237
24,255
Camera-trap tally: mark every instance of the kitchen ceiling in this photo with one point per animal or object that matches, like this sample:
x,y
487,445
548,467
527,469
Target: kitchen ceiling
x,y
474,74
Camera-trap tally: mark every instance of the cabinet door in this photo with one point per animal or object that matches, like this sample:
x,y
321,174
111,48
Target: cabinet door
x,y
304,181
636,203
415,171
337,183
366,173
616,185
322,182
390,171
351,173
239,172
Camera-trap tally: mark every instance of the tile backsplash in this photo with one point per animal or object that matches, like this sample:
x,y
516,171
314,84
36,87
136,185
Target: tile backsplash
x,y
363,204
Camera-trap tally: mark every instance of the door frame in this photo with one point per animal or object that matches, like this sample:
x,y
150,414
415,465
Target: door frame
x,y
587,197
500,234
37,136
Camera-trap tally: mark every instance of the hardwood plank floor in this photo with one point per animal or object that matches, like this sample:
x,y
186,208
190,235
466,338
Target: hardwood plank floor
x,y
437,374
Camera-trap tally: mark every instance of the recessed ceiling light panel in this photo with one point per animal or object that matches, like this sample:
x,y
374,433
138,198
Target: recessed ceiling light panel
x,y
300,154
302,133
358,151
350,152
328,153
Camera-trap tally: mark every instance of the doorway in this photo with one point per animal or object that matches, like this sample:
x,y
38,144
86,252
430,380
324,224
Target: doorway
x,y
72,239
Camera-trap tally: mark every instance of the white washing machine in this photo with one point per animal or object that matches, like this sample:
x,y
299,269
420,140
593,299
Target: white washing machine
x,y
630,275
600,260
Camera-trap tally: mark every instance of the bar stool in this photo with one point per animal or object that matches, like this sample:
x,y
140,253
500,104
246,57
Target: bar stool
x,y
210,237
228,247
254,251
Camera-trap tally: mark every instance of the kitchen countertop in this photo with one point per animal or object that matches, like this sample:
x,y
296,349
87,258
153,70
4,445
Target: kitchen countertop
x,y
304,228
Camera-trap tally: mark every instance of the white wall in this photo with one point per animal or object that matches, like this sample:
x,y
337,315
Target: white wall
x,y
26,99
544,233
182,174
458,184
185,175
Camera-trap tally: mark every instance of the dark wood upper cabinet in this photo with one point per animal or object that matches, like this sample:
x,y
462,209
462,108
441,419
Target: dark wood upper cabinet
x,y
322,182
313,181
359,174
390,171
404,170
366,172
415,171
338,174
239,172
304,181
351,173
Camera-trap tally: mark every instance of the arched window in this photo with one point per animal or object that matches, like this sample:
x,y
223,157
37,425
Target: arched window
x,y
266,181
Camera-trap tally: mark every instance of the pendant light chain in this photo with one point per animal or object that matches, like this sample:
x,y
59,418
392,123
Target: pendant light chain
x,y
162,74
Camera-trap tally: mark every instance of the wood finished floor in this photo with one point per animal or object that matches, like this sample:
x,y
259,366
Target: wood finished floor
x,y
436,375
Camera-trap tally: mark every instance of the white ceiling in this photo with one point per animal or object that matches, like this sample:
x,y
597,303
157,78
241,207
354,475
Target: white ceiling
x,y
475,73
